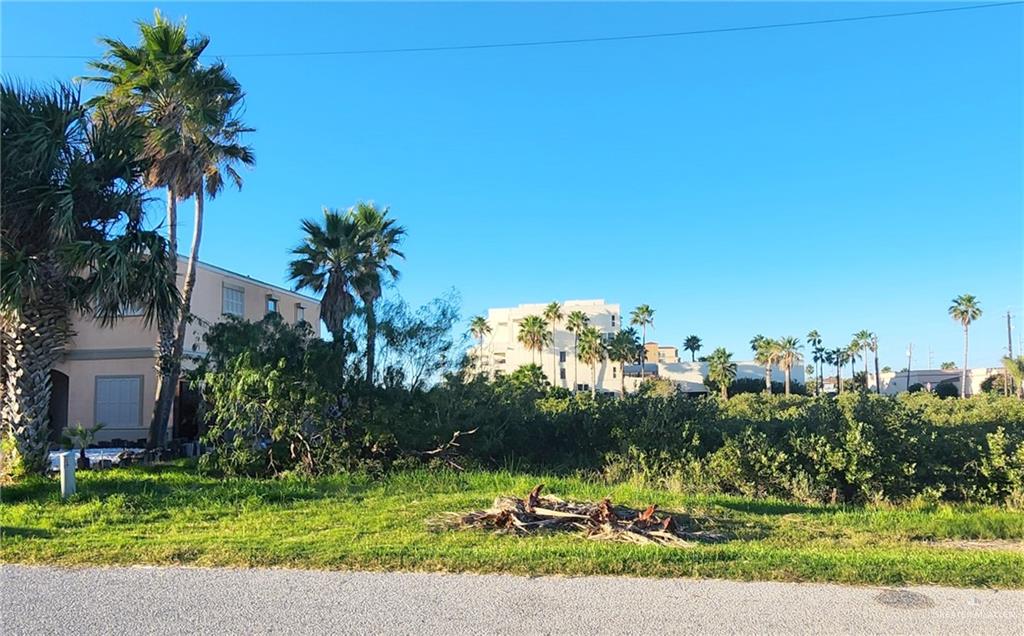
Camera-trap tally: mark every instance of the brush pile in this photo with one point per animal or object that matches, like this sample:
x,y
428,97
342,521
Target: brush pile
x,y
600,521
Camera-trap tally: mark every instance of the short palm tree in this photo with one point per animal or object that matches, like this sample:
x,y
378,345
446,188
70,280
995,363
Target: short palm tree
x,y
327,261
622,348
553,314
534,334
692,344
381,236
73,240
818,356
721,370
479,327
641,317
575,323
766,353
789,355
965,310
592,352
1015,370
190,114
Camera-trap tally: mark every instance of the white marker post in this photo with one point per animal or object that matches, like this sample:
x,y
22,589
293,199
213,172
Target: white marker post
x,y
67,474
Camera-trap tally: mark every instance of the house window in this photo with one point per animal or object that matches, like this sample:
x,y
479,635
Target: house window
x,y
561,374
561,356
119,401
300,313
271,305
613,320
233,301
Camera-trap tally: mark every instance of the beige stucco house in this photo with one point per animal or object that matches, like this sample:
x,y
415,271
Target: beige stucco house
x,y
108,375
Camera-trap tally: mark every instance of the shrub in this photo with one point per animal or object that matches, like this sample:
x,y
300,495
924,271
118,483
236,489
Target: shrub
x,y
946,389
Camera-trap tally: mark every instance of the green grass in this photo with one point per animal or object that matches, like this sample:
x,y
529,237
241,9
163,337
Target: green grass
x,y
172,515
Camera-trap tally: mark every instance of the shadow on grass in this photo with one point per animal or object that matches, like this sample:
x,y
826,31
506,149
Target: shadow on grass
x,y
770,507
25,533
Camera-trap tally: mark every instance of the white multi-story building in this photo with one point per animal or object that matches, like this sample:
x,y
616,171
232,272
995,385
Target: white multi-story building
x,y
503,353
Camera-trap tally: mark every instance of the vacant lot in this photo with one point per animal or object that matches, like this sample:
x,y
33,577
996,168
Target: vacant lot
x,y
172,515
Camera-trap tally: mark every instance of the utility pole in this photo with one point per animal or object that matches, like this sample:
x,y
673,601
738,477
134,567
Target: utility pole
x,y
910,354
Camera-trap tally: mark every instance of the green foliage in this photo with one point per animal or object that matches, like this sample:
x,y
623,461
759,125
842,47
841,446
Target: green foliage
x,y
946,389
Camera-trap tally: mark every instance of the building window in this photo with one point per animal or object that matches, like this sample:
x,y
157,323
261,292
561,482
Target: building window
x,y
271,305
561,356
119,401
561,374
300,313
614,371
613,320
233,301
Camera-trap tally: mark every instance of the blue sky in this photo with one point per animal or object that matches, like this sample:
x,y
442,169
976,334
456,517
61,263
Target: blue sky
x,y
836,177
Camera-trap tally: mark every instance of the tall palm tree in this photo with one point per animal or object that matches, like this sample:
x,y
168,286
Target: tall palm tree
x,y
818,356
852,354
965,310
327,261
479,327
766,352
622,348
721,370
641,317
837,357
191,115
381,237
575,323
534,334
873,347
592,352
788,350
863,339
73,239
553,314
692,344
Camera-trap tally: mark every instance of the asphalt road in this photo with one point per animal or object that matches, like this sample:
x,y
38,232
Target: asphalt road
x,y
37,600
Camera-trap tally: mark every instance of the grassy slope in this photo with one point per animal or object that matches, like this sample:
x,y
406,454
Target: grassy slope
x,y
173,516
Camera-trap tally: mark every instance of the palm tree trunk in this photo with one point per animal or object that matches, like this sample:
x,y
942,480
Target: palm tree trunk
x,y
725,391
593,380
32,341
165,332
878,382
786,371
575,361
839,376
865,370
768,378
963,371
643,345
554,359
622,377
371,337
158,433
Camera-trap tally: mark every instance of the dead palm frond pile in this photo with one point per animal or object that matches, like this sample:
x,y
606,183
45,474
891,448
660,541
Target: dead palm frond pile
x,y
600,521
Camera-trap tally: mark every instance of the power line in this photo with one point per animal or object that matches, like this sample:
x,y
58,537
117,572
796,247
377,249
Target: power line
x,y
611,38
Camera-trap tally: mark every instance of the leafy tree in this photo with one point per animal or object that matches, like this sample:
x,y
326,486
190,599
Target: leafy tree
x,y
73,240
947,366
190,113
788,352
886,369
692,344
945,389
592,352
417,345
553,314
380,239
622,349
479,327
965,310
641,317
534,334
575,323
721,370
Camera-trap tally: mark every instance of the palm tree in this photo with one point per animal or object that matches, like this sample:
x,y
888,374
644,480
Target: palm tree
x,y
622,349
553,314
1015,369
837,357
191,116
534,334
642,316
965,310
852,354
72,239
788,356
766,352
328,261
873,346
863,339
721,370
381,237
479,327
575,323
692,344
818,356
592,352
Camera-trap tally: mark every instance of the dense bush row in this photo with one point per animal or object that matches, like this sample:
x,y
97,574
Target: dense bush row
x,y
274,403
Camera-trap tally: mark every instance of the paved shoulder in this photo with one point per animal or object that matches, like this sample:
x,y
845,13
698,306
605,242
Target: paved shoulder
x,y
38,600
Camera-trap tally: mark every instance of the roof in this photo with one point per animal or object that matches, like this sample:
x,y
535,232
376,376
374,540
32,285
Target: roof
x,y
228,272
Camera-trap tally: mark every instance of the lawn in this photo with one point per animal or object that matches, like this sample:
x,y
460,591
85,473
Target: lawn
x,y
172,515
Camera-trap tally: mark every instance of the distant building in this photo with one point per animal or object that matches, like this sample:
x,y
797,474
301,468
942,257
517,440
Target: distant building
x,y
689,376
502,352
893,382
653,352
